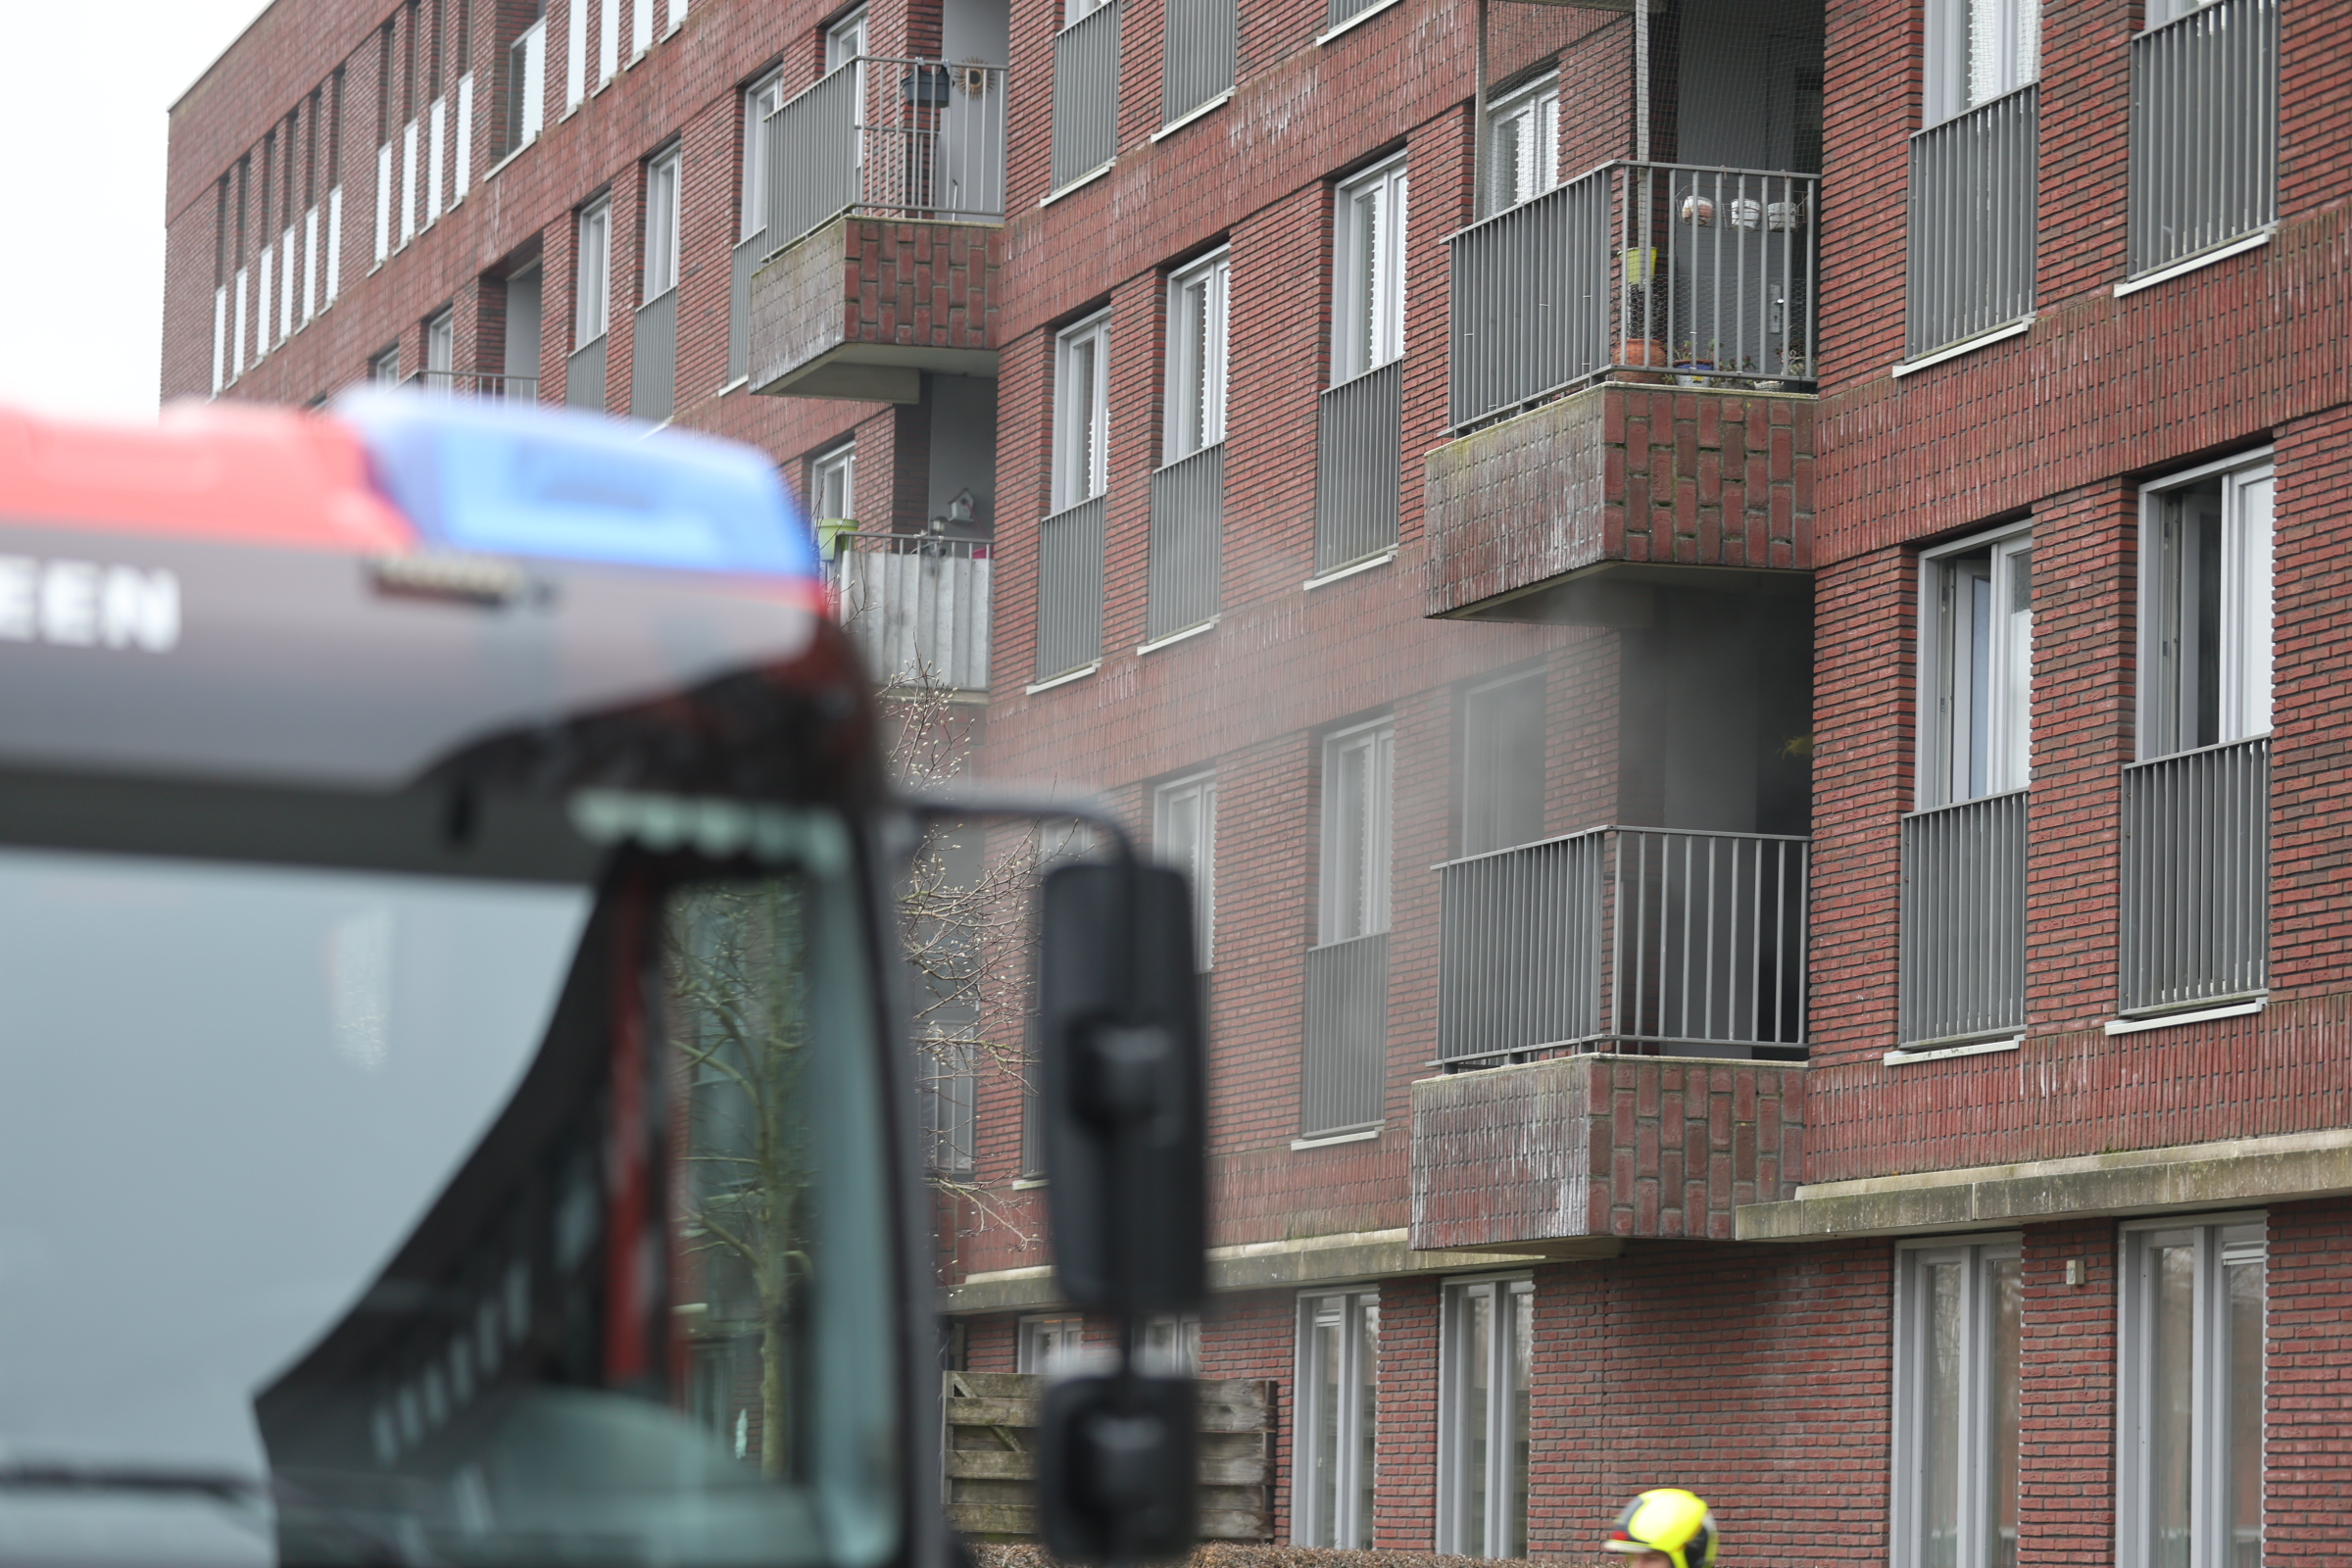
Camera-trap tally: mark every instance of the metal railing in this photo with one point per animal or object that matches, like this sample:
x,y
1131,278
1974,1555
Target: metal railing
x,y
1086,94
1343,1077
2196,876
473,383
917,606
888,139
584,376
1338,11
1069,589
2204,132
1963,940
653,359
1705,272
1631,936
1188,513
1196,56
1359,451
1972,241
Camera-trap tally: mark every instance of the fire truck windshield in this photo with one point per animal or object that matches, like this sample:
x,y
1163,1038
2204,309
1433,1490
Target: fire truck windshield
x,y
371,1215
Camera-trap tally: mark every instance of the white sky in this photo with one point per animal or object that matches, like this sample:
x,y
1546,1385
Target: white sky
x,y
88,129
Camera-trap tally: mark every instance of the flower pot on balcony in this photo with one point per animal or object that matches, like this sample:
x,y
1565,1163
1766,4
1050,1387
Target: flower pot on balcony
x,y
1746,212
1698,209
1785,216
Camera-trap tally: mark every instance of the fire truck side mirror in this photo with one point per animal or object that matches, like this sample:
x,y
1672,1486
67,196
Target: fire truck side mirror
x,y
1120,1089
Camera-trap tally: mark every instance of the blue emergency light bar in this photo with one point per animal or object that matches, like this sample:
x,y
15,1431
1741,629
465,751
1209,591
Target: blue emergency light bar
x,y
519,479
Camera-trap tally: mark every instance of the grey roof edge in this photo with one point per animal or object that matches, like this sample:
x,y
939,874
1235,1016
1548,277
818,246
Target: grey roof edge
x,y
2253,1170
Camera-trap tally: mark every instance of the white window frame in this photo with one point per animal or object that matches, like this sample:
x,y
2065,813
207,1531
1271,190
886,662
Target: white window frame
x,y
384,366
1976,51
1082,412
1355,892
837,467
1073,12
1199,862
2248,629
2220,1241
608,40
1168,1346
1369,218
1351,1417
1199,303
1530,115
440,368
592,274
1949,771
1979,1420
527,66
1479,770
1051,1345
844,40
662,178
1497,1534
575,55
760,99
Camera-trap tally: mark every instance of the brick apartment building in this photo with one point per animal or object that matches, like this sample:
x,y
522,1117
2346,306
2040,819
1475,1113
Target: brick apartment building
x,y
1728,599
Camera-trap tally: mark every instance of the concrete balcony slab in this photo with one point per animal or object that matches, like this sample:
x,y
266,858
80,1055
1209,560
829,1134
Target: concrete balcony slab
x,y
860,308
1572,512
1548,1156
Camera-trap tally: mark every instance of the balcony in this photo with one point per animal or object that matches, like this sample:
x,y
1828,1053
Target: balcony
x,y
1627,361
1649,940
918,608
2204,132
1069,591
1086,95
885,201
2196,878
473,384
1344,1068
1972,222
1188,516
1963,943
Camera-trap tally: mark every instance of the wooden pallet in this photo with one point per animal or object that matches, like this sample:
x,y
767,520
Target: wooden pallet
x,y
991,1462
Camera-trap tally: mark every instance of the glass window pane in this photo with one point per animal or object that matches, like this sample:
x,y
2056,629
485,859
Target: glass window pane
x,y
1523,1382
1942,1390
2005,1289
1367,1374
2171,1406
1324,1476
1477,1358
2241,1443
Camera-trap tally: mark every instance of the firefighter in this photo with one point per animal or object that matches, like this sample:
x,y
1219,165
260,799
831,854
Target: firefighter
x,y
1665,1527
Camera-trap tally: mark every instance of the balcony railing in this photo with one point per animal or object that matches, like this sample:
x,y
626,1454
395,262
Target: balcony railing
x,y
742,261
1196,54
888,139
1648,937
1360,448
1069,589
1971,264
1964,922
2197,877
473,384
1704,272
653,359
584,376
917,606
1086,94
2204,131
1343,1069
1188,513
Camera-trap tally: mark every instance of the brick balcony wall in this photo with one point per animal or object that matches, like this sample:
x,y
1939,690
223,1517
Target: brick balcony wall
x,y
1686,478
866,282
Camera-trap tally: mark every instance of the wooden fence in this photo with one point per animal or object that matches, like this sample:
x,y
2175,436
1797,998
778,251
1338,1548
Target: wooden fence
x,y
992,1463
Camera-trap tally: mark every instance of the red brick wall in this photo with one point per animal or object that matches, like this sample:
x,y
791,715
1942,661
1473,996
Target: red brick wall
x,y
2306,1445
2065,1398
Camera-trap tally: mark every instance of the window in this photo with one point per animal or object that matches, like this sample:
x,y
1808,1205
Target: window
x,y
526,83
1487,1340
2205,609
1074,12
1196,357
760,100
576,54
1502,763
1979,50
660,225
1955,1403
607,39
1522,146
1184,830
641,28
383,368
1355,832
1081,412
2190,1394
1337,1400
1051,1346
1367,316
1170,1347
593,275
1976,668
833,483
441,352
844,40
